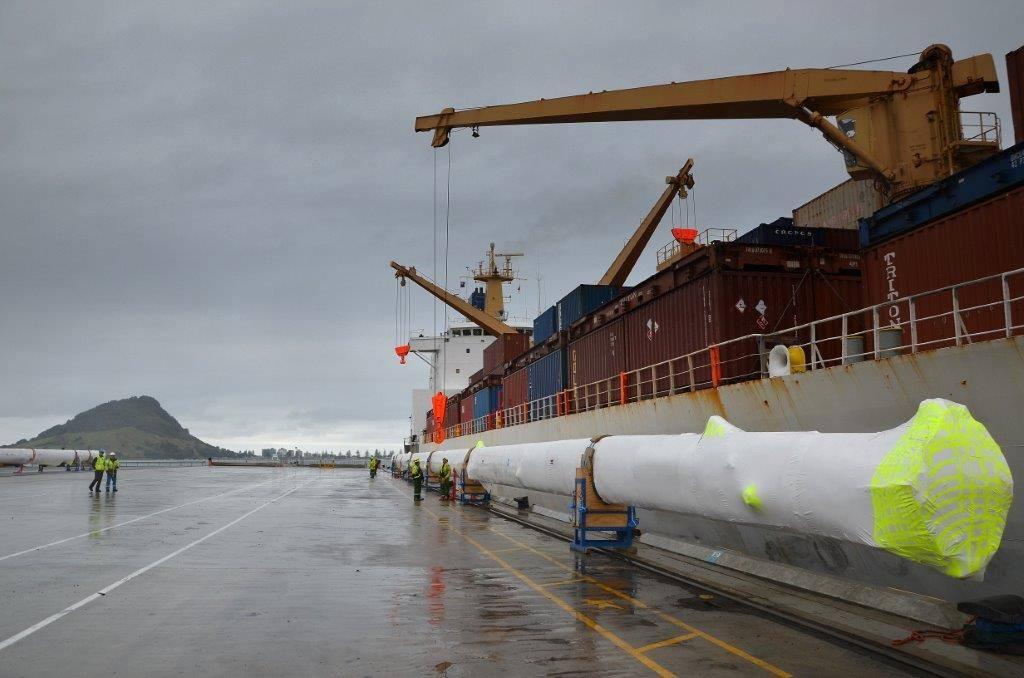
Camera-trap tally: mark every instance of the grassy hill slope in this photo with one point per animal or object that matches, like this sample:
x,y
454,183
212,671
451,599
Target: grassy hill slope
x,y
135,428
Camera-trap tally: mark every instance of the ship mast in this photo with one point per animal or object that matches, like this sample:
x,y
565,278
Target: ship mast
x,y
494,276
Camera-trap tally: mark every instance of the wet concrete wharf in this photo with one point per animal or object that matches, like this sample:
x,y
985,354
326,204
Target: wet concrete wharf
x,y
306,572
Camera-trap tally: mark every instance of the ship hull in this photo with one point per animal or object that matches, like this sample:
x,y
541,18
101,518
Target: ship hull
x,y
987,377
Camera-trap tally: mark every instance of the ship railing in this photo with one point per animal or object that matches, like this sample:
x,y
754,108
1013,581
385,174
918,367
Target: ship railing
x,y
154,463
978,310
981,126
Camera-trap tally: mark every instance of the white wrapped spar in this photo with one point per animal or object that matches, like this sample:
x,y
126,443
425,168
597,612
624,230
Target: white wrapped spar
x,y
935,490
25,456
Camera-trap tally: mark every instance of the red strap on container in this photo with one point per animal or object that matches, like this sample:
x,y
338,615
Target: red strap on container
x,y
623,384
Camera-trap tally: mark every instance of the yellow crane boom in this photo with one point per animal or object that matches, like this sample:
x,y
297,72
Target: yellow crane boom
x,y
901,128
488,323
625,261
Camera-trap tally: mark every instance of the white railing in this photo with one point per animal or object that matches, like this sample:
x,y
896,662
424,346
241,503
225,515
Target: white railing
x,y
977,310
671,250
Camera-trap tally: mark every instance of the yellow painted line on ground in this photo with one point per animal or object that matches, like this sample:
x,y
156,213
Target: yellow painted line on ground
x,y
569,609
669,641
732,649
560,582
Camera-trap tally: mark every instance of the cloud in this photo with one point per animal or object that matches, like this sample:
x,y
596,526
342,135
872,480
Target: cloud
x,y
198,201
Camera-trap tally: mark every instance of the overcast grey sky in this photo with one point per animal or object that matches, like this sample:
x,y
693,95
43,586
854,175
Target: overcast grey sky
x,y
198,200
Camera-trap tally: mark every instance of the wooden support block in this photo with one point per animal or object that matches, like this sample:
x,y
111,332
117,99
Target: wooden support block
x,y
599,513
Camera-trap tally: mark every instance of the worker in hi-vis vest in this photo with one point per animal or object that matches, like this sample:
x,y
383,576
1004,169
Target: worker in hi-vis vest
x,y
99,465
374,463
445,476
416,473
111,466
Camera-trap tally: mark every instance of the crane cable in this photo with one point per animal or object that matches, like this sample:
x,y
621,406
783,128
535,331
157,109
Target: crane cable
x,y
447,216
874,61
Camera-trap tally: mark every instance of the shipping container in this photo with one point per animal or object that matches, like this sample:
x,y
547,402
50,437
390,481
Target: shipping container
x,y
782,231
545,325
515,387
840,207
989,178
545,380
452,411
582,301
486,401
724,302
428,429
979,241
594,364
503,350
466,409
1015,76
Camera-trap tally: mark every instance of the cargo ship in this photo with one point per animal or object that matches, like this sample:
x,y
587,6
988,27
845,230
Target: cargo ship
x,y
894,287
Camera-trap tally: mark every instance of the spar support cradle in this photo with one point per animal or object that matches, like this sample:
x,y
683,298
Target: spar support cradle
x,y
592,516
471,493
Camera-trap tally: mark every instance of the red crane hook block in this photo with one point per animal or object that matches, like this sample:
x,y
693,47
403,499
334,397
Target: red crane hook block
x,y
402,351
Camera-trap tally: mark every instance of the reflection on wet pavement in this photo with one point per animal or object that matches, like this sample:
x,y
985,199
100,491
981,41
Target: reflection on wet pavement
x,y
345,576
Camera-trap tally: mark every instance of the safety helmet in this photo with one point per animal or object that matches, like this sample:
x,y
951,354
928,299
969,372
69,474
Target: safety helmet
x,y
113,454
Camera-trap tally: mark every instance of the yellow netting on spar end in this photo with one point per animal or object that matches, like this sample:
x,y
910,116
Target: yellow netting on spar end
x,y
941,494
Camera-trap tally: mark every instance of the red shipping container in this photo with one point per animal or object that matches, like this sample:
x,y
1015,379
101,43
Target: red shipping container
x,y
1015,75
726,304
514,388
428,431
452,411
982,240
595,362
503,350
466,410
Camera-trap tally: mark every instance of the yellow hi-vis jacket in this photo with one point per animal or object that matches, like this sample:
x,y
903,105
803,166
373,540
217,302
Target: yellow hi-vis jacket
x,y
374,464
446,472
99,464
416,472
113,465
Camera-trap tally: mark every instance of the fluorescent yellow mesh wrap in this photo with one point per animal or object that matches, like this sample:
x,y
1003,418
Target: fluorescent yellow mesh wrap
x,y
941,494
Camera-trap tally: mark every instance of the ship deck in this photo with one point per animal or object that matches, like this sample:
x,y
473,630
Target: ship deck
x,y
303,572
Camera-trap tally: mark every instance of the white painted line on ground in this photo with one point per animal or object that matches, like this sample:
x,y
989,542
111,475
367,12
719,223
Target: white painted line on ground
x,y
133,520
142,570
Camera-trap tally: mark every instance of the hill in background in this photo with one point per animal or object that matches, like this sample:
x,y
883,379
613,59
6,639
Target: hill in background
x,y
135,428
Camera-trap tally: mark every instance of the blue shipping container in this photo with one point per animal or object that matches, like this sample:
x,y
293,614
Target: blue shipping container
x,y
999,173
485,401
545,377
582,301
545,325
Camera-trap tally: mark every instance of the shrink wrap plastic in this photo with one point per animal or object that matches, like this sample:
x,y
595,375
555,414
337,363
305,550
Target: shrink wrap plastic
x,y
935,490
542,467
20,456
438,457
401,461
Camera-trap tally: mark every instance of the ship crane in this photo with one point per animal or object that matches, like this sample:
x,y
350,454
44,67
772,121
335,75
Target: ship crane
x,y
625,261
488,322
902,129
